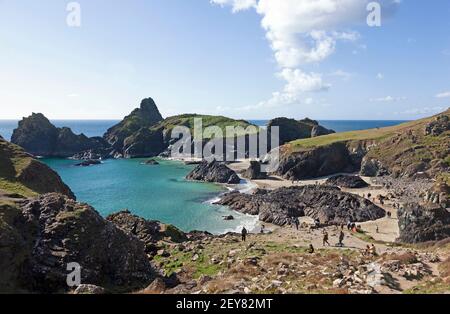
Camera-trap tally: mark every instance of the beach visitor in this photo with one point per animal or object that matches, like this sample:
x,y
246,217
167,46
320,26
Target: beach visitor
x,y
244,234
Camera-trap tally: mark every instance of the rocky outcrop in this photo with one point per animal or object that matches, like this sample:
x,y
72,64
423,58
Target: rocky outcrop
x,y
438,126
148,231
327,204
373,168
351,182
144,143
151,162
254,171
291,129
41,138
317,162
422,223
25,176
141,118
42,236
89,162
213,172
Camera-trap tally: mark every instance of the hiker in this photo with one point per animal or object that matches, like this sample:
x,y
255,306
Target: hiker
x,y
367,250
296,222
378,230
311,249
325,239
341,238
262,229
244,234
316,223
373,250
349,225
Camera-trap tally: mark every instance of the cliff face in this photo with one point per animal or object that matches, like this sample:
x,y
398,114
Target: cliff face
x,y
41,138
24,176
416,149
40,237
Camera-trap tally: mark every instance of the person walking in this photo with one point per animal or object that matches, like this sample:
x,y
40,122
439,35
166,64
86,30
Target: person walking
x,y
325,239
244,234
341,238
296,222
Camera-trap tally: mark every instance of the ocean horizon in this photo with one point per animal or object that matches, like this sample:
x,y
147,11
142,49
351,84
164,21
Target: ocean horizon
x,y
98,127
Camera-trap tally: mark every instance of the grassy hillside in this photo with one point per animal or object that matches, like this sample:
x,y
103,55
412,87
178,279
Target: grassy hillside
x,y
370,134
23,176
187,120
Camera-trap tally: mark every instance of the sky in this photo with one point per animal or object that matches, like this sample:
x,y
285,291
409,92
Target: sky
x,y
249,59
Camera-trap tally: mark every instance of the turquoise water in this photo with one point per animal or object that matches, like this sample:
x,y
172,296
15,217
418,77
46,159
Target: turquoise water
x,y
152,192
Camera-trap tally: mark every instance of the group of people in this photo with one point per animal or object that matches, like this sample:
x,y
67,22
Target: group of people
x,y
326,238
370,250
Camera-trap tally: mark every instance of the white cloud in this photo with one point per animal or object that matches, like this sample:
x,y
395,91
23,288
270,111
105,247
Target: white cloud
x,y
301,32
342,74
422,111
443,95
387,99
237,5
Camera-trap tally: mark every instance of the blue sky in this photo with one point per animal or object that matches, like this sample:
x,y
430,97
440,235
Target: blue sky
x,y
217,58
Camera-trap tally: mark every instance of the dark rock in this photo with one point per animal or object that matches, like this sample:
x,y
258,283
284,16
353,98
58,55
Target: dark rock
x,y
214,172
419,223
151,162
230,217
327,204
291,129
148,231
41,138
254,171
317,162
139,121
87,163
351,182
51,231
144,143
440,125
99,153
319,130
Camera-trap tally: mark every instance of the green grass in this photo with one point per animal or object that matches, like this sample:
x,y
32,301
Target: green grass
x,y
370,134
187,120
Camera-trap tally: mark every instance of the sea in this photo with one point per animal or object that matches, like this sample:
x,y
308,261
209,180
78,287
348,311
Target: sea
x,y
157,192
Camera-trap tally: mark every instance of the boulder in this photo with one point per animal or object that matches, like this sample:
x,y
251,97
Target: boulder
x,y
327,204
422,223
343,181
254,171
151,162
213,172
90,162
373,168
89,289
